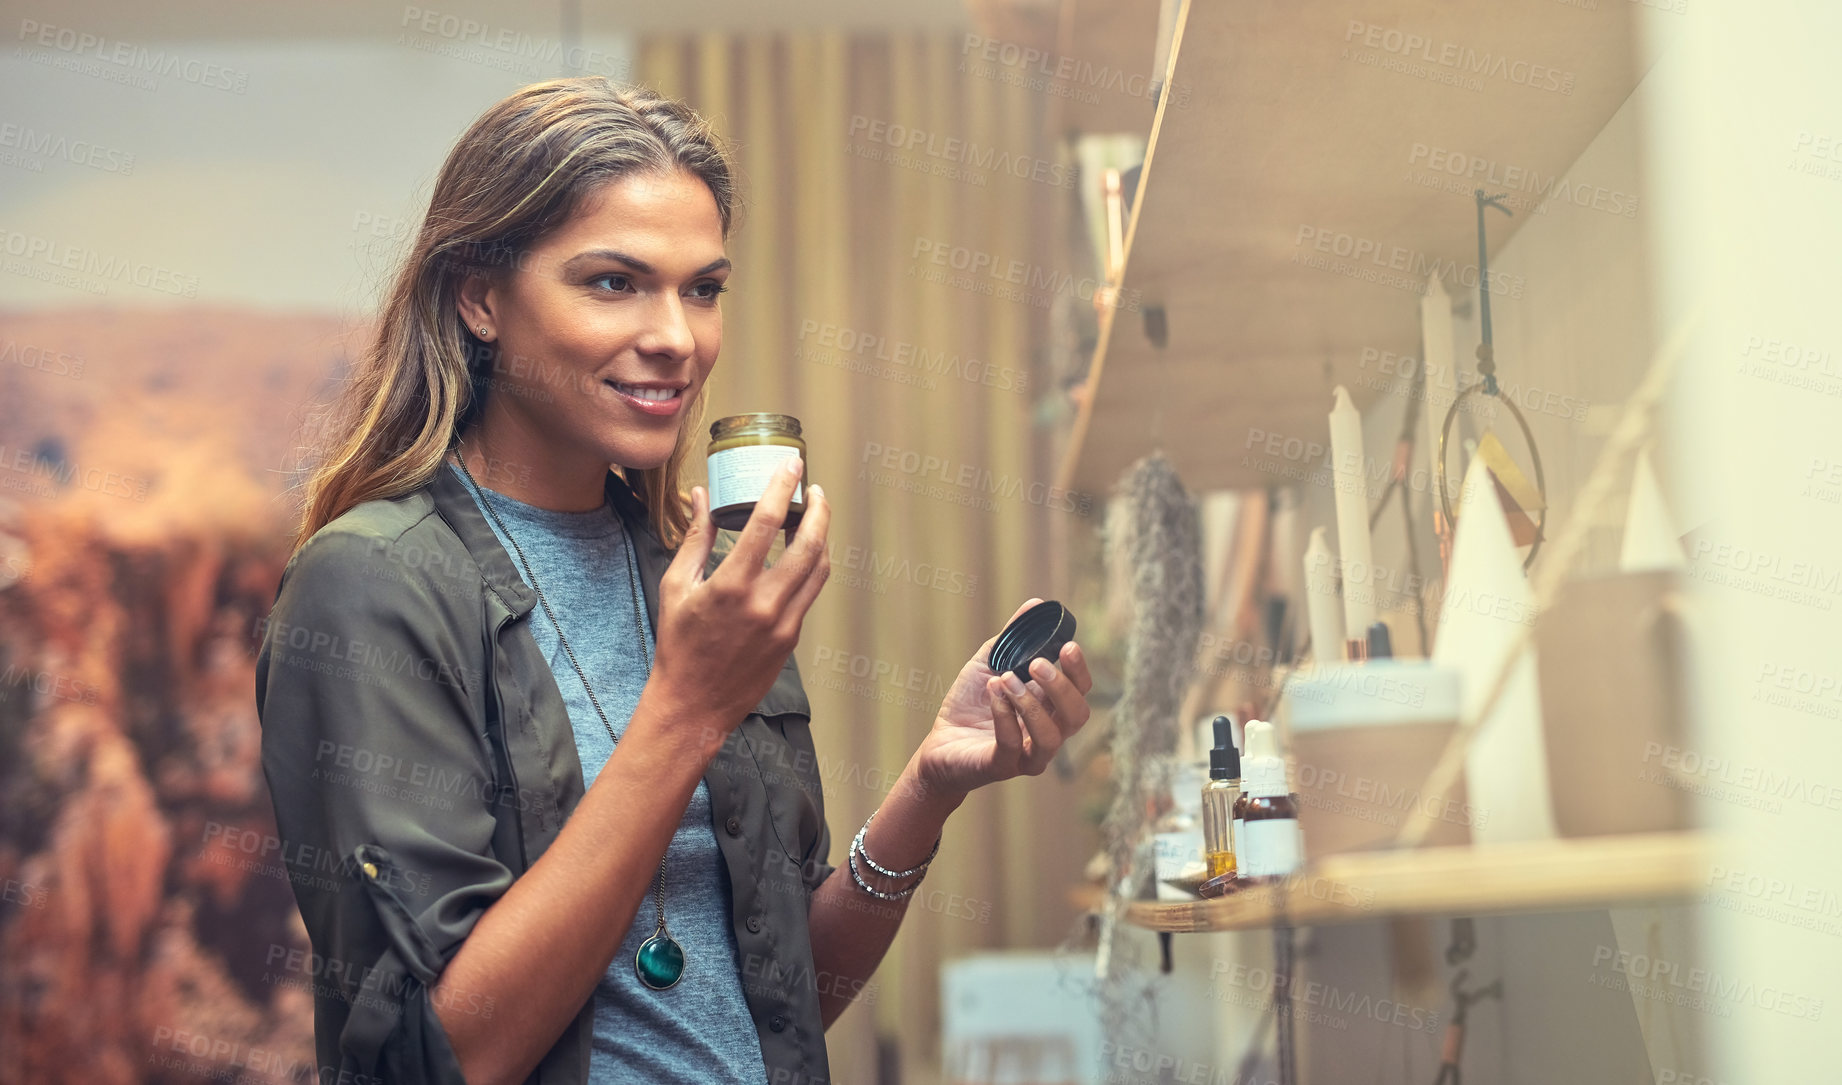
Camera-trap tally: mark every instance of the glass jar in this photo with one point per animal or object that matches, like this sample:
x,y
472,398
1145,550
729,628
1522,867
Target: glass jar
x,y
1272,848
745,451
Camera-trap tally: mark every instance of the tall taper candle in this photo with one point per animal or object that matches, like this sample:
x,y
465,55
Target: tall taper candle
x,y
1352,514
1321,607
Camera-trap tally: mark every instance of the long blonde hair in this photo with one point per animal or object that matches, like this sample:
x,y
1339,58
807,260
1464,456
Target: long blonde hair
x,y
518,173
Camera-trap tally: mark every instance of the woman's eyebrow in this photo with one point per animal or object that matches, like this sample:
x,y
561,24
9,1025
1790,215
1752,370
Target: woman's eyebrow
x,y
638,265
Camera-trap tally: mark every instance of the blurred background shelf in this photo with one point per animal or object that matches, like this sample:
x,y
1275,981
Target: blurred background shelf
x,y
1286,124
1538,876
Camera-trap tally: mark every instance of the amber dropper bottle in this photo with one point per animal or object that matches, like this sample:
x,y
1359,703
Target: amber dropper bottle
x,y
1219,796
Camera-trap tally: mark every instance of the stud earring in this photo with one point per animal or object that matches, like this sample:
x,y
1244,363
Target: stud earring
x,y
482,331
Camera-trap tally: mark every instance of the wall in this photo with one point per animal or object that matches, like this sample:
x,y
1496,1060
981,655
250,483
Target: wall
x,y
289,189
1751,224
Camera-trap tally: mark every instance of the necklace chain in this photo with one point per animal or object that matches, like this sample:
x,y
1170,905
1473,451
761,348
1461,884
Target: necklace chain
x,y
639,625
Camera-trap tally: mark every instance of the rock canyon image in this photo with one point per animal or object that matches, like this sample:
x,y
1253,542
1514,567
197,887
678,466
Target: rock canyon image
x,y
148,467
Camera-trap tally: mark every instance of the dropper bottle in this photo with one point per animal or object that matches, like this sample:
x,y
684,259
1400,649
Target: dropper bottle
x,y
1267,832
1219,796
1257,739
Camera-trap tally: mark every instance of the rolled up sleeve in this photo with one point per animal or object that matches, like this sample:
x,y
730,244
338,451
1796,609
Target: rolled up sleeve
x,y
819,866
370,692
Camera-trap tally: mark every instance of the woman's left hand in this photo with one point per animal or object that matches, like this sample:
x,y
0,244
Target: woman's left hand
x,y
992,727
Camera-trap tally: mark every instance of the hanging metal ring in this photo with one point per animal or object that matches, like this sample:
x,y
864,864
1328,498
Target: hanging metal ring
x,y
1528,437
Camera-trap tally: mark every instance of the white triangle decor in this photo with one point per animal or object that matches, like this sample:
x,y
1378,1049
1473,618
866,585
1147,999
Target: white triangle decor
x,y
1651,540
1487,607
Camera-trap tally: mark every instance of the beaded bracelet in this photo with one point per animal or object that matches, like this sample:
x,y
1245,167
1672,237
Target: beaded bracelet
x,y
857,877
857,849
857,846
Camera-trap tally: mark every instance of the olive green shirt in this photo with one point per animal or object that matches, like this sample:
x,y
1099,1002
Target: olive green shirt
x,y
420,758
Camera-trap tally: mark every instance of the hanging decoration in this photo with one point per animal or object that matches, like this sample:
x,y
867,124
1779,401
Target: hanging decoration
x,y
1154,541
1525,506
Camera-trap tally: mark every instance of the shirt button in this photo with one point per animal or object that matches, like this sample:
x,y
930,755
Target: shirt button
x,y
734,825
754,924
777,1023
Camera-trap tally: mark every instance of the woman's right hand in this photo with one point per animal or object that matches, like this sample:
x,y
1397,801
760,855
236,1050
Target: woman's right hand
x,y
723,639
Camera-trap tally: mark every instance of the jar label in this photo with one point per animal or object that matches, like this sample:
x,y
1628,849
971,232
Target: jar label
x,y
739,476
1270,847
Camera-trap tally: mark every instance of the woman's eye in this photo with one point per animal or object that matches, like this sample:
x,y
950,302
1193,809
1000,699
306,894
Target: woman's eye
x,y
709,290
619,282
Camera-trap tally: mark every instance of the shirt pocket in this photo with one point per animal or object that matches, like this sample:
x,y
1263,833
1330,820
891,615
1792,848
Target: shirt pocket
x,y
779,738
790,774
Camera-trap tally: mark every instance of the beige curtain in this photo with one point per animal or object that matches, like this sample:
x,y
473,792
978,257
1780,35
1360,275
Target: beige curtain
x,y
919,579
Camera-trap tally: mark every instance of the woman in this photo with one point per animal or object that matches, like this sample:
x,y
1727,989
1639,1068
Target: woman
x,y
546,787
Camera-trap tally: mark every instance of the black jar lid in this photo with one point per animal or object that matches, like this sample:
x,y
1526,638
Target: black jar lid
x,y
1037,633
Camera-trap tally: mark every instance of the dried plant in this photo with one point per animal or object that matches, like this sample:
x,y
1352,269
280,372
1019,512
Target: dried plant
x,y
1154,551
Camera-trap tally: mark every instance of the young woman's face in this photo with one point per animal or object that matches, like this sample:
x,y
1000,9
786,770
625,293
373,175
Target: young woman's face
x,y
608,328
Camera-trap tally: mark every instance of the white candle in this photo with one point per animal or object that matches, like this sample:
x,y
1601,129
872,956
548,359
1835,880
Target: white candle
x,y
1286,553
1321,607
1352,515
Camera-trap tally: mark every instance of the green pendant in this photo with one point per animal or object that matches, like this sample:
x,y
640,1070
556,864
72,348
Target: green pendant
x,y
660,961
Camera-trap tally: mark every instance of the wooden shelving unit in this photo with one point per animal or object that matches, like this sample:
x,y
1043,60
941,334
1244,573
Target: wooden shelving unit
x,y
1286,126
1539,876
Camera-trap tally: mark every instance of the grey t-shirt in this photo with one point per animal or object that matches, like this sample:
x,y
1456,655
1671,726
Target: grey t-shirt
x,y
699,1030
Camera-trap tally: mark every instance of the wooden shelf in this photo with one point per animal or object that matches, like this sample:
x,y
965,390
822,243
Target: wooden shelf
x,y
1539,876
1285,126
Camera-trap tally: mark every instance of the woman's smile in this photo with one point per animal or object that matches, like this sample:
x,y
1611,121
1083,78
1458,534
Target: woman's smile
x,y
659,399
